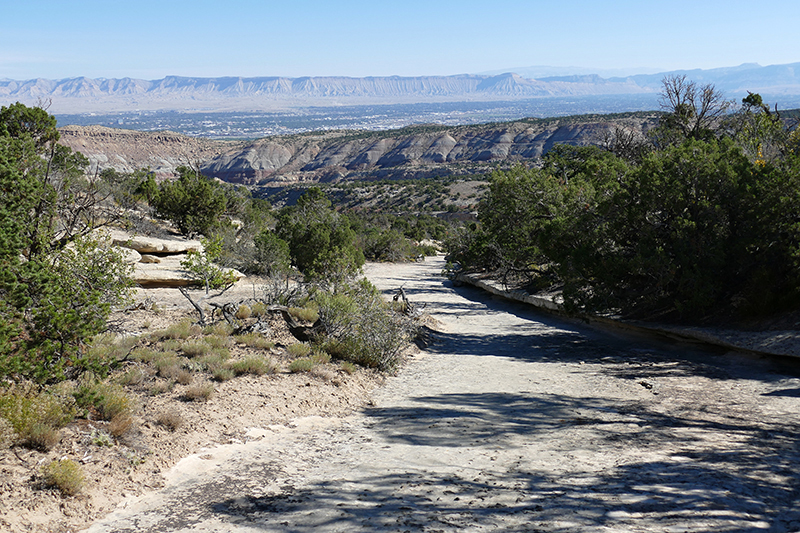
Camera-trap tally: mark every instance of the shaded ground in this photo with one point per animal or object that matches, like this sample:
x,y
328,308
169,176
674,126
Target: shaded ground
x,y
513,421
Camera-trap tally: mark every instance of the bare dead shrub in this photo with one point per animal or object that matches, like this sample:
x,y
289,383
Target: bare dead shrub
x,y
201,392
171,419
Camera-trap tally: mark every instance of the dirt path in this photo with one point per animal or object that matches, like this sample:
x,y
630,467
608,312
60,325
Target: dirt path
x,y
513,421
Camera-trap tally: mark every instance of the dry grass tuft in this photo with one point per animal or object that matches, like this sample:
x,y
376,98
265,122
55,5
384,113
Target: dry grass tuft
x,y
160,387
181,330
244,312
218,342
42,437
259,309
348,367
306,314
219,329
323,373
132,377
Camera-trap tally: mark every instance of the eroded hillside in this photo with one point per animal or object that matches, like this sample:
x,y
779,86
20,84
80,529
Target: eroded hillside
x,y
420,151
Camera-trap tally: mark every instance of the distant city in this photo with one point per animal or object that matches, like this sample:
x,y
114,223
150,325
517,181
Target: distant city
x,y
248,125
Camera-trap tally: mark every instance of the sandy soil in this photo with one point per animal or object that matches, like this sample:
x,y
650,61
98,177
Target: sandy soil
x,y
241,410
513,421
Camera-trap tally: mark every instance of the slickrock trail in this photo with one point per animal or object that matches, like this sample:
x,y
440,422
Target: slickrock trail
x,y
513,421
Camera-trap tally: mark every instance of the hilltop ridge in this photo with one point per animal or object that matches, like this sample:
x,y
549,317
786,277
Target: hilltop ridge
x,y
412,152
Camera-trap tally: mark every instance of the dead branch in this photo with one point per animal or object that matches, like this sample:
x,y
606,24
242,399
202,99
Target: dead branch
x,y
196,304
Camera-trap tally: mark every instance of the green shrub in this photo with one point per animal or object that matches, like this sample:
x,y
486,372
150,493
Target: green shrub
x,y
299,350
218,341
362,328
321,241
219,329
34,417
202,267
198,348
59,280
107,399
301,365
193,202
243,312
65,475
677,233
272,257
254,365
255,340
180,330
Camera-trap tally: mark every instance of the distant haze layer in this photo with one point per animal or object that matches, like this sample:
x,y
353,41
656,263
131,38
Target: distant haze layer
x,y
86,95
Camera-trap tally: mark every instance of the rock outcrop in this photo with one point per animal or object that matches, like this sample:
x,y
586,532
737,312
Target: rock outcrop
x,y
157,262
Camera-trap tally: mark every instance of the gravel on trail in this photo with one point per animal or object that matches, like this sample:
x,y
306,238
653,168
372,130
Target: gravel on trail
x,y
510,420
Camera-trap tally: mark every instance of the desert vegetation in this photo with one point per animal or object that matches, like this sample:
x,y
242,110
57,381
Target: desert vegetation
x,y
698,220
63,371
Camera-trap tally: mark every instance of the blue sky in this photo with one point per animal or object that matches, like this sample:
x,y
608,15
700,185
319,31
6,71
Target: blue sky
x,y
152,39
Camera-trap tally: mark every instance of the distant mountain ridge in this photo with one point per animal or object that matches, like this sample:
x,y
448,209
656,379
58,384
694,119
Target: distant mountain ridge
x,y
82,95
176,92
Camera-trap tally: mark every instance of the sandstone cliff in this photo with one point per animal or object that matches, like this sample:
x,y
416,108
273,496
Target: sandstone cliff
x,y
326,156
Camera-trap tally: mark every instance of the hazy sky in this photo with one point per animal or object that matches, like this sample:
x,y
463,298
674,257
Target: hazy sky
x,y
152,39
